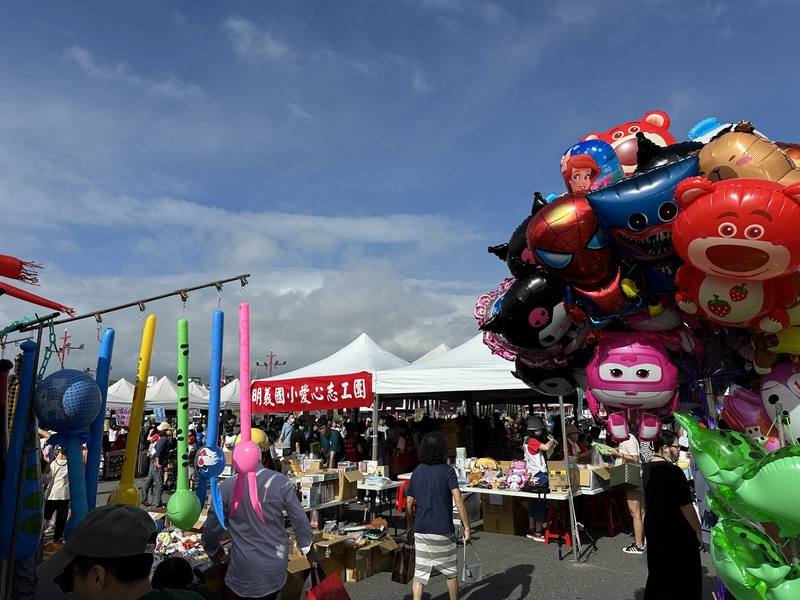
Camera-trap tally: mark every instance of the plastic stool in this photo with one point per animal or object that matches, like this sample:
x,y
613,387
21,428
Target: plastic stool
x,y
400,497
604,512
557,521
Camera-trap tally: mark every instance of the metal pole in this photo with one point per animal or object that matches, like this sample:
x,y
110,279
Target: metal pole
x,y
140,303
573,521
375,407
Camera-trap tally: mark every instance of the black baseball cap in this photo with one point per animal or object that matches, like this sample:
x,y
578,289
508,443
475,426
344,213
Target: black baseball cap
x,y
111,531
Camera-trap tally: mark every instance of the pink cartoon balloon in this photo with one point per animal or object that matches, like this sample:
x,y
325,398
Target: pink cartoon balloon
x,y
632,372
743,411
780,394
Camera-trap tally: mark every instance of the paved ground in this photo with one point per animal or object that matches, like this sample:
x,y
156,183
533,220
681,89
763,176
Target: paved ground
x,y
516,568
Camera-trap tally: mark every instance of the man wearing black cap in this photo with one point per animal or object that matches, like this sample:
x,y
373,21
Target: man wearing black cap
x,y
330,443
110,555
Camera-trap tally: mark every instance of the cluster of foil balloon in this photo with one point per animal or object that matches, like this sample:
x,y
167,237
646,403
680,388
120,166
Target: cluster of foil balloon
x,y
664,261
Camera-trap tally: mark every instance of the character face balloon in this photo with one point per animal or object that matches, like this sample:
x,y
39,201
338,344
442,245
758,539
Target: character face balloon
x,y
529,313
740,228
782,386
639,211
631,371
567,240
654,125
210,461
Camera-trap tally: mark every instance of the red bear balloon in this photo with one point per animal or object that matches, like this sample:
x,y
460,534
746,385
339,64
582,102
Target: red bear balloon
x,y
741,241
655,127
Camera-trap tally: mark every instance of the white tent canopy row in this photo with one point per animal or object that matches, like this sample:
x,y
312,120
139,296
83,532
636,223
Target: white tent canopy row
x,y
164,393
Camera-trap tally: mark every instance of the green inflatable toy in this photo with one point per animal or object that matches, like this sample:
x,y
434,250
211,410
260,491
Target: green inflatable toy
x,y
183,507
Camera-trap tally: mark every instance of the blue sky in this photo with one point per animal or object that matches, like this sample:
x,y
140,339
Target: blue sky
x,y
355,157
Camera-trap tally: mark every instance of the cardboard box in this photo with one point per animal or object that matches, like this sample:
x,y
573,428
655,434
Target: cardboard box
x,y
558,476
357,564
347,485
628,474
593,478
504,514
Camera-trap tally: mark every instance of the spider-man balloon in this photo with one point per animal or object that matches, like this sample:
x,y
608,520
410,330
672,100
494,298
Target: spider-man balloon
x,y
566,239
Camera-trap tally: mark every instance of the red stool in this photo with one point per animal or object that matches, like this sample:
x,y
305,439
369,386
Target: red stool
x,y
604,512
400,497
557,525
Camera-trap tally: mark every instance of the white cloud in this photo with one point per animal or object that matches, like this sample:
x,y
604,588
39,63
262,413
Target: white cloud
x,y
298,112
169,87
420,82
251,43
301,315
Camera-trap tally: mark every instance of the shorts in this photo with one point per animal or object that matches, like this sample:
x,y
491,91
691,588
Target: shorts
x,y
437,551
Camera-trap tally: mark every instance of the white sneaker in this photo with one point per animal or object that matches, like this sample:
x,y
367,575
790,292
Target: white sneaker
x,y
633,549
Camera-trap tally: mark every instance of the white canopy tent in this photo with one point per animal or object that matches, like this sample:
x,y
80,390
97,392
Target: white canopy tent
x,y
229,395
433,353
469,371
119,393
163,393
362,354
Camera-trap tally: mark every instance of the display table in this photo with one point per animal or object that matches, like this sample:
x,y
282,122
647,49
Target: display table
x,y
374,489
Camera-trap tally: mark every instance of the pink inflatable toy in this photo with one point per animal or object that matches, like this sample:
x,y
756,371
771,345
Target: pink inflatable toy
x,y
246,454
743,411
781,388
632,372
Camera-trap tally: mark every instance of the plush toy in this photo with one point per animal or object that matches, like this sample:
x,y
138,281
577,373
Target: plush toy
x,y
741,245
654,125
633,373
516,476
743,153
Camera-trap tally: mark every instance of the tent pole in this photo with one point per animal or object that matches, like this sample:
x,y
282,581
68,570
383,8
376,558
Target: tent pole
x,y
573,521
375,405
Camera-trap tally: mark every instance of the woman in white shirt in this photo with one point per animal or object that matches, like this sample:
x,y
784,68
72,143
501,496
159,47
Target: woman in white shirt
x,y
58,495
629,452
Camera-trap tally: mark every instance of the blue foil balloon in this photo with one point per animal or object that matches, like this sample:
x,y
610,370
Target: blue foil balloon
x,y
68,401
604,156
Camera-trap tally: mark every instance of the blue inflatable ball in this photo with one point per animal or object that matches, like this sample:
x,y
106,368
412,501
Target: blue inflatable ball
x,y
67,400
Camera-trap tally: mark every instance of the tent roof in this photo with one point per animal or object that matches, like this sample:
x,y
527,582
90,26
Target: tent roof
x,y
467,371
362,354
229,395
120,393
433,353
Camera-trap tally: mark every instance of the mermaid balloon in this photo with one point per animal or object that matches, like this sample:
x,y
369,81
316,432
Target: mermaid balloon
x,y
68,402
246,455
22,528
95,446
183,507
210,458
126,492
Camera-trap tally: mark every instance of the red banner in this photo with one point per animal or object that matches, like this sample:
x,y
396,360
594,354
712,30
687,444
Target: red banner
x,y
329,392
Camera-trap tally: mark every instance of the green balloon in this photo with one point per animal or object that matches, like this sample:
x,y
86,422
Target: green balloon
x,y
771,488
722,456
750,563
183,507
